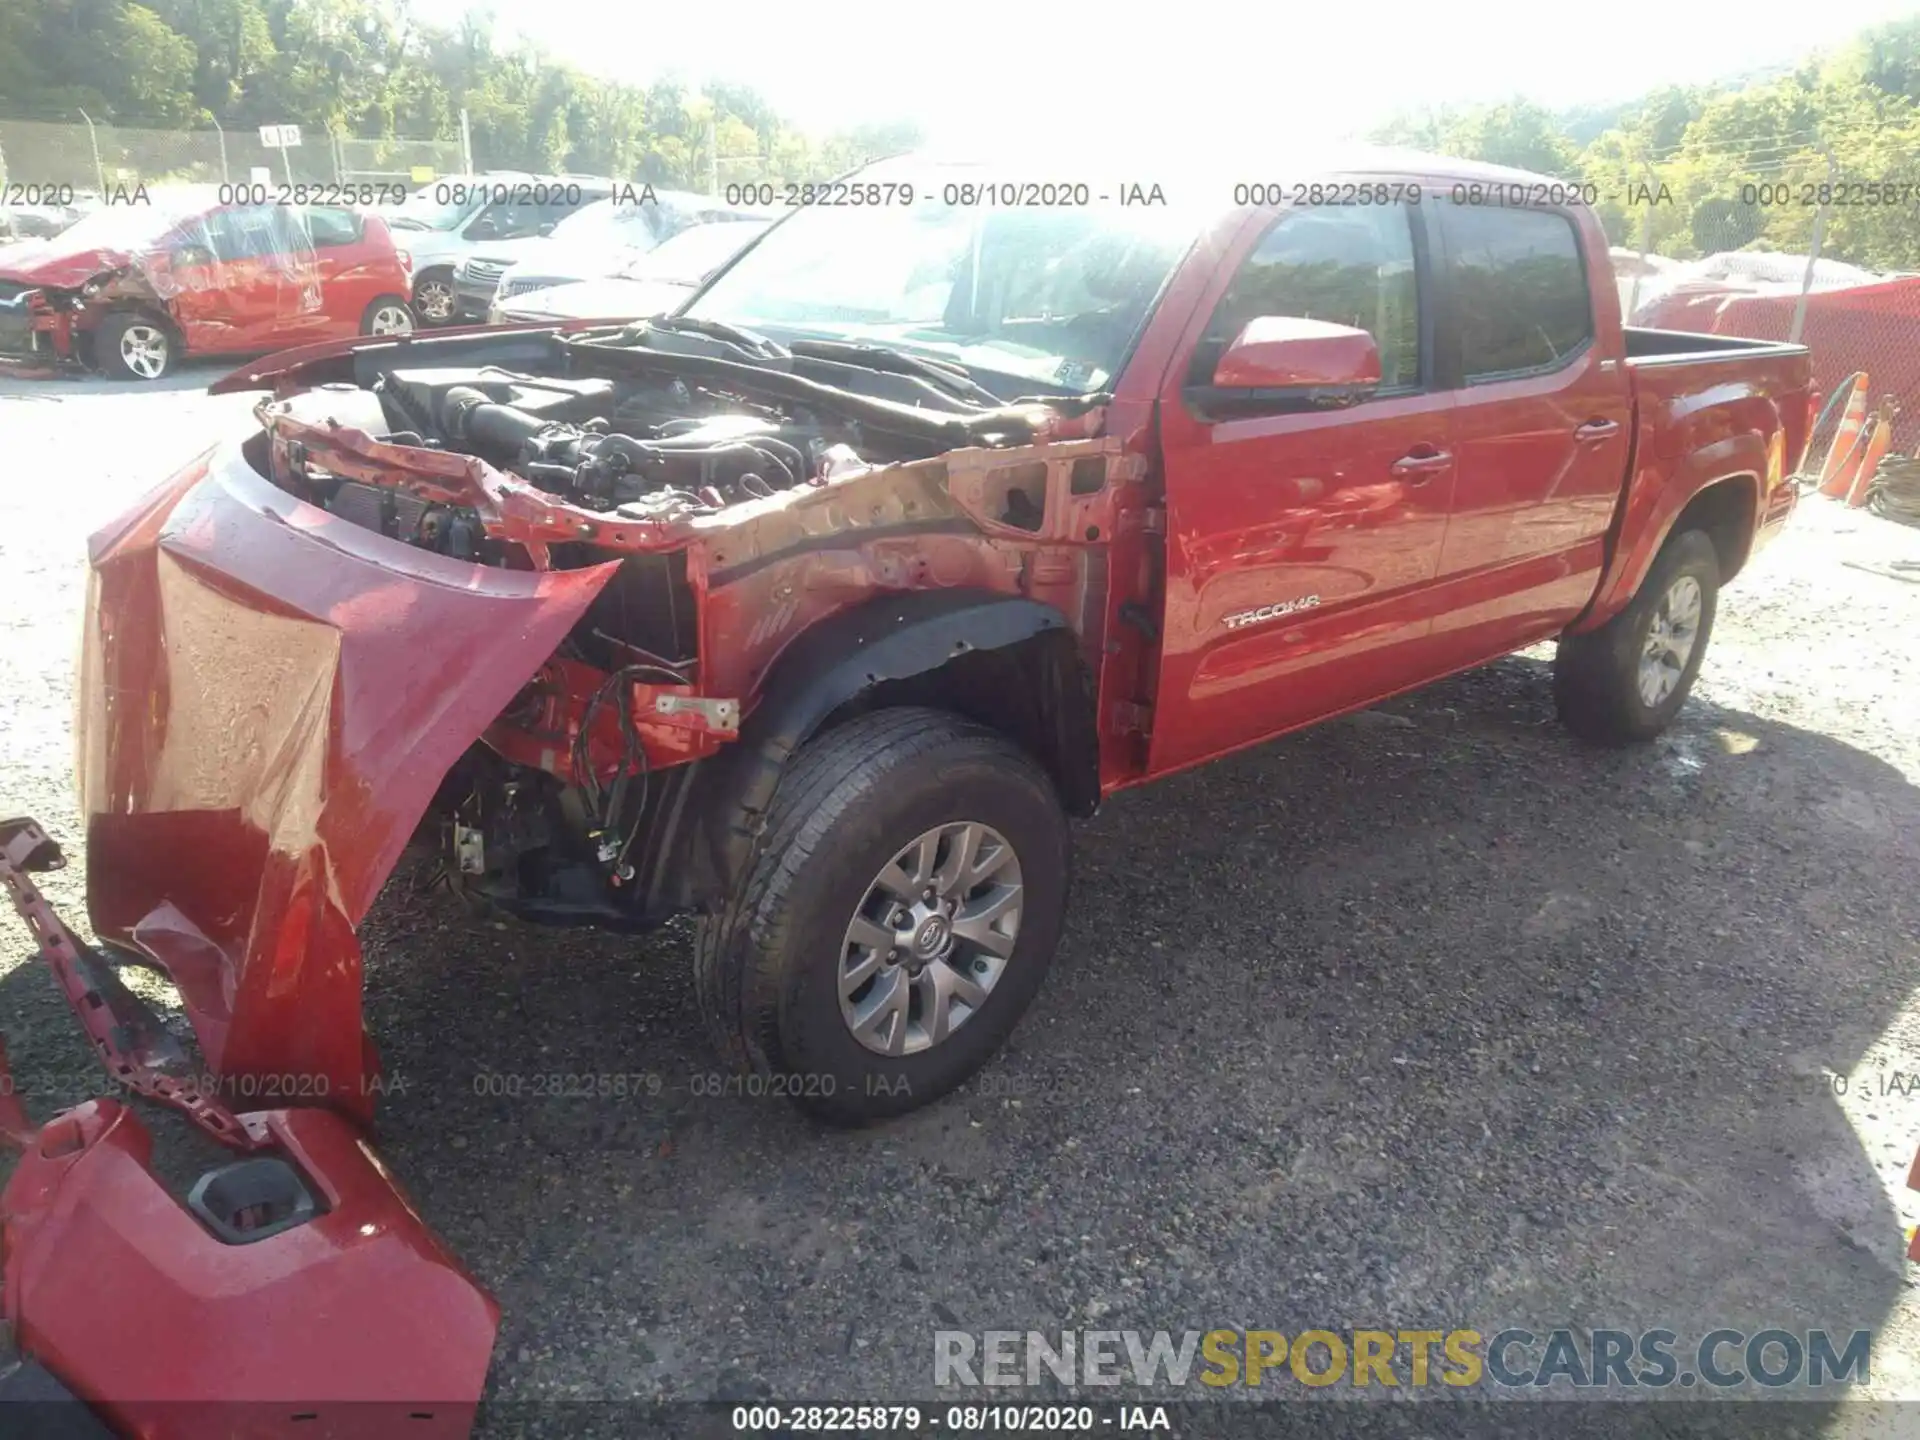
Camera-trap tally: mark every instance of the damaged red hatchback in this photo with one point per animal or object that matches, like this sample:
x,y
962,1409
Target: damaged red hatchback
x,y
138,285
816,610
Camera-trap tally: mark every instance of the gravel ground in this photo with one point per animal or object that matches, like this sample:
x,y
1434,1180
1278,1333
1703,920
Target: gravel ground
x,y
1425,1017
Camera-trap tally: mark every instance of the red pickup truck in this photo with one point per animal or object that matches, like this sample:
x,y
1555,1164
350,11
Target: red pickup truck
x,y
818,608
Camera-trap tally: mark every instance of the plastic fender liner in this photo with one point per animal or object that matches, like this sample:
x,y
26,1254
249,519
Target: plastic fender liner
x,y
889,638
354,1322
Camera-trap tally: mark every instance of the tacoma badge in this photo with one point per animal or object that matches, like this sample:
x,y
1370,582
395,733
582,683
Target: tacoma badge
x,y
1272,612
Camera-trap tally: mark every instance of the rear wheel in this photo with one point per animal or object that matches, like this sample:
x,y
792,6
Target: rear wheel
x,y
131,346
1627,680
902,912
388,315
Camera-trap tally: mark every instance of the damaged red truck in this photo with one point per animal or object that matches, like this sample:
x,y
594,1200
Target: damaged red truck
x,y
817,610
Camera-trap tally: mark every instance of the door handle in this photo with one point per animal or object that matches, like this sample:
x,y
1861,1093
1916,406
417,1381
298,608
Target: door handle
x,y
1418,469
1596,430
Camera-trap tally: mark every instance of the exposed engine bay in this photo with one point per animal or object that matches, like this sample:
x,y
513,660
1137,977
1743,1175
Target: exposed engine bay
x,y
657,422
639,451
742,490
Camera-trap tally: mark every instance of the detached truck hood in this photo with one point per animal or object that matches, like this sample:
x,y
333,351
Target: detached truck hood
x,y
276,692
265,711
48,265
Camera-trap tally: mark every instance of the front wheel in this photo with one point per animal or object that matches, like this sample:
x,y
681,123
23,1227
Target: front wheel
x,y
906,901
135,347
433,299
1627,680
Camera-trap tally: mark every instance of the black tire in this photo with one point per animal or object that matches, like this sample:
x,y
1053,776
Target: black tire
x,y
766,968
375,310
1596,676
112,333
430,289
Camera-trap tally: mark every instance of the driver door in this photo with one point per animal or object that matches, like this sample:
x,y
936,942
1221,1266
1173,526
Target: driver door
x,y
1302,546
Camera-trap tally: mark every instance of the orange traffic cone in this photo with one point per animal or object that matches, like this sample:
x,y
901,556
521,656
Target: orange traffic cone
x,y
1913,1183
1878,443
1836,475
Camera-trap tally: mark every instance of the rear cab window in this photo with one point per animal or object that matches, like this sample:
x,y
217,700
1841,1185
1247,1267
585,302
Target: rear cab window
x,y
1521,304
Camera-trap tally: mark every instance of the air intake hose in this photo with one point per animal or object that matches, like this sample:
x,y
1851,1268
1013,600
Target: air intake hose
x,y
467,414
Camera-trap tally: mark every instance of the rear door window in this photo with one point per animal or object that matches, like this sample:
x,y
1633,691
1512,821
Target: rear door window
x,y
329,226
1520,290
244,232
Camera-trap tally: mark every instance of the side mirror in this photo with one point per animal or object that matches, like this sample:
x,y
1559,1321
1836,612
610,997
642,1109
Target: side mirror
x,y
546,229
1285,363
482,227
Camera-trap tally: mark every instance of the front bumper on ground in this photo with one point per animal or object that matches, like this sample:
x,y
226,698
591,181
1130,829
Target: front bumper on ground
x,y
295,1292
269,696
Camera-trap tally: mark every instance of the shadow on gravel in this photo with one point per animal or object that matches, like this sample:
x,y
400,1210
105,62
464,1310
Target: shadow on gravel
x,y
191,376
1424,1019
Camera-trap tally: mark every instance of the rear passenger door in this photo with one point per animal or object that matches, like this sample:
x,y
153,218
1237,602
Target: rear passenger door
x,y
1542,423
343,261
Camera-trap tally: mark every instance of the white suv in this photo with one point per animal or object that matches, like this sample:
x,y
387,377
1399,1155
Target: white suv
x,y
445,222
606,239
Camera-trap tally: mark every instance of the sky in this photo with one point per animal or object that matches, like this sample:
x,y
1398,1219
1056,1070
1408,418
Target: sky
x,y
987,74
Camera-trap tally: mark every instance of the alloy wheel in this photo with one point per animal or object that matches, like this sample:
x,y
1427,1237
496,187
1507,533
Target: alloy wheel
x,y
1671,635
434,300
931,938
390,320
143,349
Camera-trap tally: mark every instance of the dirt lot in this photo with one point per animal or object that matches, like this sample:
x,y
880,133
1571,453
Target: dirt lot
x,y
1429,1017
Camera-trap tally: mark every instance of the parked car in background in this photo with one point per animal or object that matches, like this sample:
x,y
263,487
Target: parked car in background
x,y
605,239
130,289
38,221
651,283
445,222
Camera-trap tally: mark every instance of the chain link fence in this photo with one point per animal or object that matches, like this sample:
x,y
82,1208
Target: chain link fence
x,y
102,158
1782,242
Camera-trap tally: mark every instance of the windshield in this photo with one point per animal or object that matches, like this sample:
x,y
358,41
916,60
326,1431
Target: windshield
x,y
692,255
607,222
438,207
1048,295
126,227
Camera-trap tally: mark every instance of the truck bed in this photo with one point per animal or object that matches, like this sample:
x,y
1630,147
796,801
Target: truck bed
x,y
1692,391
1705,407
1670,347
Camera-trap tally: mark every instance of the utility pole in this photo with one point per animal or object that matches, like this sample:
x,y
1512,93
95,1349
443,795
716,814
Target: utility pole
x,y
466,143
1813,252
713,157
224,177
99,172
1646,238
